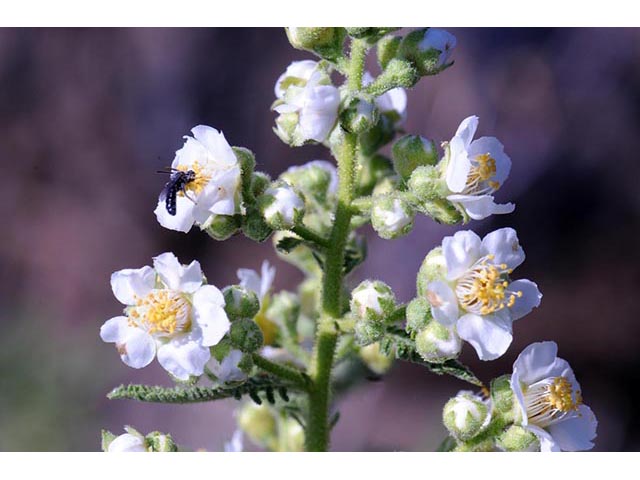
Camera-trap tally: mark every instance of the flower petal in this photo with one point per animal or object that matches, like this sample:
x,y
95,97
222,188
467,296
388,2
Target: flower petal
x,y
209,314
227,370
504,245
467,130
131,283
482,206
444,304
127,443
529,300
490,335
115,330
182,278
576,433
218,148
495,149
184,356
537,361
182,221
460,252
138,350
458,167
320,111
547,442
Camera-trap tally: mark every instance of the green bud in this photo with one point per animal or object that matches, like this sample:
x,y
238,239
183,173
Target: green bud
x,y
486,445
254,225
397,73
258,423
386,186
107,438
360,116
368,332
437,344
222,227
433,268
518,439
503,399
370,171
287,129
245,364
246,335
426,182
240,302
373,301
372,34
428,49
259,183
466,416
378,136
391,216
442,211
161,442
375,359
386,50
418,315
247,163
326,42
316,180
411,152
282,206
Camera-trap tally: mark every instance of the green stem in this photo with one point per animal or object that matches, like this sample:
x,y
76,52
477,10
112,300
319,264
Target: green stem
x,y
286,373
356,65
309,235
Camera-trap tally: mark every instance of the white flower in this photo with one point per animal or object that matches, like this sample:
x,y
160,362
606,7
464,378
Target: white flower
x,y
132,441
550,400
477,296
216,188
227,370
391,216
476,169
313,102
441,40
259,283
285,207
169,312
394,100
236,444
297,73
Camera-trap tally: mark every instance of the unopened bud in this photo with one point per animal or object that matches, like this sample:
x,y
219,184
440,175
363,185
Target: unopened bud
x,y
246,335
360,116
281,206
433,268
325,42
386,50
373,301
240,302
465,416
411,152
518,439
221,227
375,359
418,315
437,343
370,171
428,49
161,442
391,216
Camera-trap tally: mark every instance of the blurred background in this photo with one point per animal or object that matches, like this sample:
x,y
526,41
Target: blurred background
x,y
88,116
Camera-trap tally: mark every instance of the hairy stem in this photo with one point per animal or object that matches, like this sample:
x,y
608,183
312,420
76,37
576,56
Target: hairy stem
x,y
310,235
296,377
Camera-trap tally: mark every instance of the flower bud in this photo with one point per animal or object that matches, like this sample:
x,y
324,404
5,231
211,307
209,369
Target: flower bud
x,y
360,116
254,225
281,206
442,211
411,152
418,315
502,398
397,73
221,227
518,439
465,415
368,332
258,423
260,181
131,441
370,171
161,442
375,359
373,301
391,216
246,335
428,49
378,136
325,42
317,179
433,268
240,302
247,163
370,33
386,50
437,344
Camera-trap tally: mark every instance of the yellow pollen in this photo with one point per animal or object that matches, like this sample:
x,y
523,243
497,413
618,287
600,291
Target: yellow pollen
x,y
551,400
200,181
560,395
161,311
483,169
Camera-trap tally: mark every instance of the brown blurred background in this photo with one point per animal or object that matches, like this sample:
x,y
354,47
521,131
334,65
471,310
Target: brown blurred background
x,y
87,116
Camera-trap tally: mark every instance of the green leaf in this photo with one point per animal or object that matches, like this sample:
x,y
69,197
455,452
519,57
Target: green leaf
x,y
263,384
397,340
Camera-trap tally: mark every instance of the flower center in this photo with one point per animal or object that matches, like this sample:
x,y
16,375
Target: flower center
x,y
483,169
484,288
201,178
551,400
161,311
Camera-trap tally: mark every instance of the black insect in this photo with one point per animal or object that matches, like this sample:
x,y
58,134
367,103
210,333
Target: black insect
x,y
177,183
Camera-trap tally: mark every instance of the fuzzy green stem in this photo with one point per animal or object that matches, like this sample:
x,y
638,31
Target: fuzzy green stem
x,y
307,234
296,377
356,65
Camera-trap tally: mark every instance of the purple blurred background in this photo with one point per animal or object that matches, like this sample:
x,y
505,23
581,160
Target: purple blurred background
x,y
87,116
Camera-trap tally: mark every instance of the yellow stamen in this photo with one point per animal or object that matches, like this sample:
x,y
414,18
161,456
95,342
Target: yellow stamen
x,y
202,179
161,311
483,169
551,400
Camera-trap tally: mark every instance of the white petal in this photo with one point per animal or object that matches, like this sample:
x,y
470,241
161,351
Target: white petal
x,y
320,111
218,148
182,221
131,283
227,370
302,69
460,252
547,442
236,443
467,129
184,356
530,299
503,244
127,443
576,433
209,314
490,335
176,276
249,279
138,349
481,207
536,362
115,330
268,274
495,149
444,304
458,167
